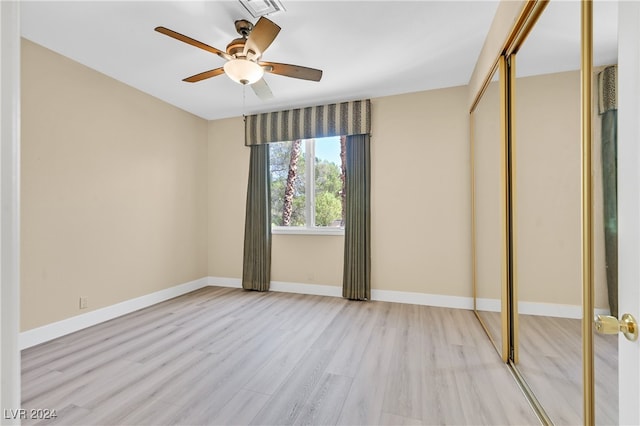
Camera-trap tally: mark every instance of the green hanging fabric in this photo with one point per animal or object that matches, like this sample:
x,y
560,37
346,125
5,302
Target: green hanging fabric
x,y
357,231
607,103
256,264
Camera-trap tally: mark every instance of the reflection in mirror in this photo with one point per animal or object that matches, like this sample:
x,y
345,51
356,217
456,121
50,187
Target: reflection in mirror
x,y
486,186
547,220
604,171
549,239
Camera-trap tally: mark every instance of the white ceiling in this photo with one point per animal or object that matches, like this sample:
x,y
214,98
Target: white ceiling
x,y
554,42
365,48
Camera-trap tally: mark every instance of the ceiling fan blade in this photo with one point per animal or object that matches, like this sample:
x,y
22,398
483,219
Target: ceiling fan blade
x,y
262,89
260,37
295,71
193,42
204,75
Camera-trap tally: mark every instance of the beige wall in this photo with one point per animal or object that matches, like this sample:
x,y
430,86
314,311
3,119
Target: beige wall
x,y
113,190
228,169
317,259
488,184
548,192
421,221
420,201
548,188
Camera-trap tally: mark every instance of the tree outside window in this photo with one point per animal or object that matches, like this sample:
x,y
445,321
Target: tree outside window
x,y
308,193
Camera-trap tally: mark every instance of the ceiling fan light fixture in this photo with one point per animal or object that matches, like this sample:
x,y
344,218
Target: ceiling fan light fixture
x,y
243,71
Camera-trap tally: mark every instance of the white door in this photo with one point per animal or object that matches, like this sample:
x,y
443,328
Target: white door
x,y
629,205
9,215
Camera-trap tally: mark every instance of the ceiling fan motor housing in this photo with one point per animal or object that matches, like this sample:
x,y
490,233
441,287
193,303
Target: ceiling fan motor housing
x,y
236,47
244,27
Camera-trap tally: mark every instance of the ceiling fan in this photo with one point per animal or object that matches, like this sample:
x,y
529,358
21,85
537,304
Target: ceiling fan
x,y
243,57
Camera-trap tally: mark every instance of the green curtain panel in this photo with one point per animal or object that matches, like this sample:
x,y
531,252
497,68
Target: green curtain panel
x,y
256,267
608,109
357,231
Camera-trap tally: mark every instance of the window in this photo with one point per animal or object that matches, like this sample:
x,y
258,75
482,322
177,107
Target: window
x,y
307,196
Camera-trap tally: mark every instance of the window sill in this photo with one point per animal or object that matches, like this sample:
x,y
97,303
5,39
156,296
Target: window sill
x,y
298,230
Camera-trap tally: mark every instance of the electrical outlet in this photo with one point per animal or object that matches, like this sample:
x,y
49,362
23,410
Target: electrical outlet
x,y
84,302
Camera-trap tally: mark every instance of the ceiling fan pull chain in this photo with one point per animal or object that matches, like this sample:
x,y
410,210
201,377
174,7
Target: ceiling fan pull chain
x,y
244,97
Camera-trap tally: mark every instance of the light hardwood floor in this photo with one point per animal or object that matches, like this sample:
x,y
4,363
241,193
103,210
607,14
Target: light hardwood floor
x,y
227,356
551,364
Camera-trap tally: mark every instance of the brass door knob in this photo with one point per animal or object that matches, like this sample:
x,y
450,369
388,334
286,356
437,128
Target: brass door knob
x,y
627,325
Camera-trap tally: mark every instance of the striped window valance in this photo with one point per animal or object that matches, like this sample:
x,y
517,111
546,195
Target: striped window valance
x,y
608,89
346,118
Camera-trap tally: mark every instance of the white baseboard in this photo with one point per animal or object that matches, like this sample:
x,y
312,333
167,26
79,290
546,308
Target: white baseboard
x,y
555,310
426,299
550,310
51,331
315,289
224,282
539,309
336,291
283,287
489,305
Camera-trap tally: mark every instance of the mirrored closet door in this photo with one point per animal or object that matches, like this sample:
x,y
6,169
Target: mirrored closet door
x,y
605,210
547,277
488,192
547,218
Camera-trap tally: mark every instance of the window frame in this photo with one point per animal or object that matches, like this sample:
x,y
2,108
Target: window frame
x,y
310,200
